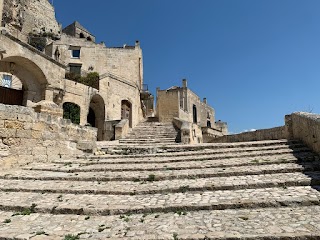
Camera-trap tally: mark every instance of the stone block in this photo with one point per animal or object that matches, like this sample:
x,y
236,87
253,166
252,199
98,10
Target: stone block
x,y
87,146
39,151
24,134
13,124
11,141
36,134
8,132
1,123
39,126
40,158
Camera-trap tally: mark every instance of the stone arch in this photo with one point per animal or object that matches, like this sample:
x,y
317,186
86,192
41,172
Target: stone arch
x,y
126,111
71,111
30,75
96,115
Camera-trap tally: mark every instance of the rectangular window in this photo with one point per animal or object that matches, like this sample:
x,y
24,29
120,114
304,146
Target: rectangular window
x,y
75,68
75,53
6,81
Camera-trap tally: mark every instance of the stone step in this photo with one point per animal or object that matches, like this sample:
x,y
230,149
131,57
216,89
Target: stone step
x,y
207,146
147,140
299,152
157,175
286,223
88,204
165,186
200,163
179,161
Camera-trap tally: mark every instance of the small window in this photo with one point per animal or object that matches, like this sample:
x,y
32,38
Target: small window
x,y
75,68
82,35
75,53
6,81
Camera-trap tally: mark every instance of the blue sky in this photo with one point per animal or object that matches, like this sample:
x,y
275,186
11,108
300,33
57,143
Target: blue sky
x,y
254,60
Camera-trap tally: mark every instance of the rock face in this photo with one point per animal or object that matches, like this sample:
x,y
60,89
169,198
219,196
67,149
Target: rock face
x,y
256,190
30,16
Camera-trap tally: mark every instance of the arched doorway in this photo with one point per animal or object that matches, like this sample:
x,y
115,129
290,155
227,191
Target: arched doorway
x,y
21,81
96,115
71,111
126,111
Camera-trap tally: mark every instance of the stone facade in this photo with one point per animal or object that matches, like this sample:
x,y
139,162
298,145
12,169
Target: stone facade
x,y
184,104
43,72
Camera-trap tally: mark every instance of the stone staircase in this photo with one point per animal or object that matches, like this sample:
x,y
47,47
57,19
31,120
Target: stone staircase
x,y
255,190
150,133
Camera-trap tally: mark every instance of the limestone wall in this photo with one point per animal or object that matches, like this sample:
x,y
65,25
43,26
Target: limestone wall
x,y
167,105
24,16
258,135
305,127
37,137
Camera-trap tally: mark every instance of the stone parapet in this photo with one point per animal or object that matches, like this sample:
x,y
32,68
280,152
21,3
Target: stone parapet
x,y
32,136
257,135
305,127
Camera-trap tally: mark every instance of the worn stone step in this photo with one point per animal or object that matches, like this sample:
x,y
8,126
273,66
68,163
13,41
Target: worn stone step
x,y
286,223
171,164
165,186
161,175
200,163
88,204
300,154
147,152
175,148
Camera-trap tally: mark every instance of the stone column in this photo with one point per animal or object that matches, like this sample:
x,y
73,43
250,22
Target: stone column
x,y
1,11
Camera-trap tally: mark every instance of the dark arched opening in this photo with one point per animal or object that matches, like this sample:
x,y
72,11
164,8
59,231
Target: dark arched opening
x,y
71,111
89,39
96,116
82,35
126,111
194,111
91,118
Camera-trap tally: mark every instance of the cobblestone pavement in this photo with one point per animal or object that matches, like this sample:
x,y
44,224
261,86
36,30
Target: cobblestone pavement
x,y
259,190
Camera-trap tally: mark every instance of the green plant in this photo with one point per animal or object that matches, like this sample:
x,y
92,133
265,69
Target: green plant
x,y
42,233
27,211
175,236
151,178
7,220
183,189
71,237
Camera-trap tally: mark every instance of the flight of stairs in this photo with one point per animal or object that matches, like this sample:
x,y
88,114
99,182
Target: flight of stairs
x,y
226,191
150,133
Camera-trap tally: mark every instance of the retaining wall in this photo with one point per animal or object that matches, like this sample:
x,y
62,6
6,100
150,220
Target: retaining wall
x,y
29,136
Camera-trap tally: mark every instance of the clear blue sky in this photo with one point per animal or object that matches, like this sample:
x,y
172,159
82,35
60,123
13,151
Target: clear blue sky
x,y
254,60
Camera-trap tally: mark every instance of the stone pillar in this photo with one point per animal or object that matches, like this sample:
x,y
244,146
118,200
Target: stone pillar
x,y
1,12
205,100
288,127
184,83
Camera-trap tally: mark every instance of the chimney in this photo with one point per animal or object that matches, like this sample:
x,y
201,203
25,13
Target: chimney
x,y
205,100
184,83
137,44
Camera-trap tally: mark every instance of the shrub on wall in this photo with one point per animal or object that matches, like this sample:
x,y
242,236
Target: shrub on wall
x,y
91,79
71,111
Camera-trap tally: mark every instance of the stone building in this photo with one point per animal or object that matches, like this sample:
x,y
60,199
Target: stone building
x,y
183,104
51,64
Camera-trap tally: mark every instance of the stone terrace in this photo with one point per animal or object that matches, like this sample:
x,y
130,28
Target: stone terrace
x,y
254,190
